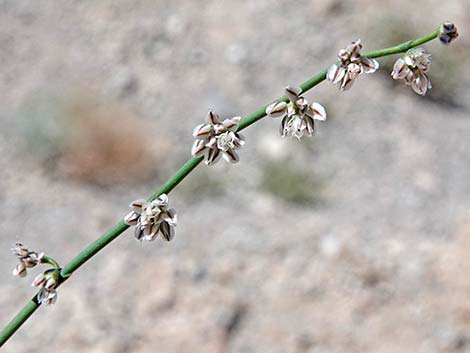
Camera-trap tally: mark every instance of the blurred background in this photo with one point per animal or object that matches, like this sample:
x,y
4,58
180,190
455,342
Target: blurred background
x,y
355,240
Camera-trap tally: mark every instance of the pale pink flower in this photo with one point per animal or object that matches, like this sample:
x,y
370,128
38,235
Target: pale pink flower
x,y
152,218
351,65
412,69
217,139
298,115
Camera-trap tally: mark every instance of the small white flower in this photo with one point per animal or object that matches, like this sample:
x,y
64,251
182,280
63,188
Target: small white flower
x,y
448,33
20,270
351,65
152,218
217,139
298,115
412,69
47,297
47,282
27,258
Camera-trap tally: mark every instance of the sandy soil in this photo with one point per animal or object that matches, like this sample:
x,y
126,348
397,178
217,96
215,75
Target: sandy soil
x,y
374,260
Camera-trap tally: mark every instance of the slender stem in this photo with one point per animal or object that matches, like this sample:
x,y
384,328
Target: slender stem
x,y
172,182
49,260
114,232
18,320
401,48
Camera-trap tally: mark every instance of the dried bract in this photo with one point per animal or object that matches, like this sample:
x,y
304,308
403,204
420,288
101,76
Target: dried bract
x,y
412,70
217,139
152,218
351,65
298,115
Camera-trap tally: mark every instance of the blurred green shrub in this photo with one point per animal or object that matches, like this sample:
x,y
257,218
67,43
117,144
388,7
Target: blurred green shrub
x,y
290,183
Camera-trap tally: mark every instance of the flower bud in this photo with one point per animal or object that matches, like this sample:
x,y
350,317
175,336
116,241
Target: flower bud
x,y
20,270
447,33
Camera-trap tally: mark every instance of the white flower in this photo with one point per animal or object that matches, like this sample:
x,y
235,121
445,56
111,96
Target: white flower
x,y
152,218
298,116
20,270
351,65
447,33
47,282
47,297
412,69
217,139
27,258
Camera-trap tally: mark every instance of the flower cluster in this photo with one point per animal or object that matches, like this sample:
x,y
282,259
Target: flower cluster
x,y
152,218
27,258
298,116
217,138
412,69
351,64
448,32
47,283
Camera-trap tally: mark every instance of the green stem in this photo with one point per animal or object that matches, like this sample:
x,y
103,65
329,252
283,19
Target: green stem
x,y
172,182
401,48
18,320
114,232
49,260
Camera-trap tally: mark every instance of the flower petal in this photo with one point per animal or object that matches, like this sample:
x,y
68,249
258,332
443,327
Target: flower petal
x,y
319,112
239,141
30,261
292,92
355,47
170,217
132,218
420,84
369,65
230,155
42,295
51,283
343,55
147,229
39,281
310,125
212,143
282,128
51,298
161,200
213,118
346,83
213,156
301,103
198,148
20,270
139,232
336,73
168,232
231,124
400,69
202,130
276,110
137,205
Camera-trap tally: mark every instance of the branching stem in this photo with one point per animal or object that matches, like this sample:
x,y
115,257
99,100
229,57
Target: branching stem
x,y
173,181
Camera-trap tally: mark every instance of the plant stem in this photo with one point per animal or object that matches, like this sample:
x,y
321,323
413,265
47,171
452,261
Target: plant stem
x,y
403,47
172,182
49,260
18,320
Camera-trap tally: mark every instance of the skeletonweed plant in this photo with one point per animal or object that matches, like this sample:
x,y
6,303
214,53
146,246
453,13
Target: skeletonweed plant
x,y
218,138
